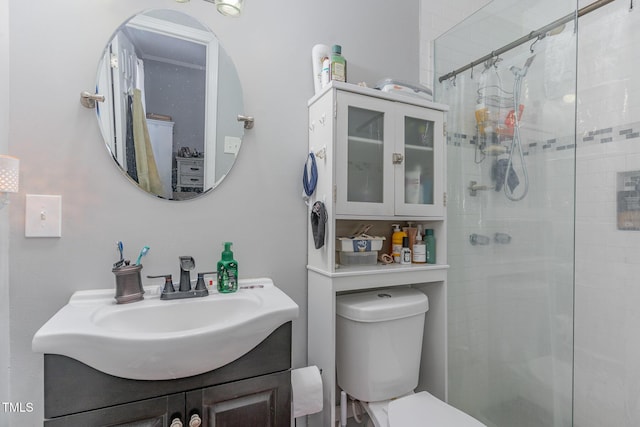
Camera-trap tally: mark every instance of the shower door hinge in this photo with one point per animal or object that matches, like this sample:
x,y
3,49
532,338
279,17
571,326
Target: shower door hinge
x,y
444,129
113,61
444,199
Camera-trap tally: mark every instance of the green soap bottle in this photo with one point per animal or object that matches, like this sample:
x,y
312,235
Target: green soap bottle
x,y
338,64
227,271
430,242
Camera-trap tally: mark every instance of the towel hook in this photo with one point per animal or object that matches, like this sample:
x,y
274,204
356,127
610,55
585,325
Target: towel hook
x,y
88,99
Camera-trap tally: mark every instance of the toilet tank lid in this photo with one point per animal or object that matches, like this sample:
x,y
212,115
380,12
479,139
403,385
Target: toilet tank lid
x,y
381,304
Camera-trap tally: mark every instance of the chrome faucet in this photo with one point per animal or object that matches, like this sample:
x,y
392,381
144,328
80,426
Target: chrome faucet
x,y
187,263
169,292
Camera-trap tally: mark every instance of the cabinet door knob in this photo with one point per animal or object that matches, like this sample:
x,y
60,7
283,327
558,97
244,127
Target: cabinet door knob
x,y
397,158
195,421
176,423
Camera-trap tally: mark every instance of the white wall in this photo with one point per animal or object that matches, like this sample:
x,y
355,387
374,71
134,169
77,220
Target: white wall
x,y
54,55
4,213
436,17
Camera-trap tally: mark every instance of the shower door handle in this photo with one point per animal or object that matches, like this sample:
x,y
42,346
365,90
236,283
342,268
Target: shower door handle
x,y
397,158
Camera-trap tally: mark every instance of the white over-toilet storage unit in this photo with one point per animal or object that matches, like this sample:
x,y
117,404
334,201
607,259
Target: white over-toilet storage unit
x,y
370,146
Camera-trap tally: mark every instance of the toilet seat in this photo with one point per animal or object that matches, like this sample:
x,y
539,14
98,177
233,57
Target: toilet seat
x,y
418,410
423,410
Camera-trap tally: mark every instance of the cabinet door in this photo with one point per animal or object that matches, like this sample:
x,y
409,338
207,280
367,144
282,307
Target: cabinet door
x,y
261,401
157,412
419,176
364,140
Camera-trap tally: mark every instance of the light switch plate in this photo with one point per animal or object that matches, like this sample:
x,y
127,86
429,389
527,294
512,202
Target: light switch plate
x,y
43,216
231,145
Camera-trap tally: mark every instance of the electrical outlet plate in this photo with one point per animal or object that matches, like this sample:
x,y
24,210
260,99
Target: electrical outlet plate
x,y
231,145
43,216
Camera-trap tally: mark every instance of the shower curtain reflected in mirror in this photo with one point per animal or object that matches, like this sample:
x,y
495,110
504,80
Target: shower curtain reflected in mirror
x,y
510,286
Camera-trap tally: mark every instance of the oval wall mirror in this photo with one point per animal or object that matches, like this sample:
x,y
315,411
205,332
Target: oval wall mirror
x,y
172,97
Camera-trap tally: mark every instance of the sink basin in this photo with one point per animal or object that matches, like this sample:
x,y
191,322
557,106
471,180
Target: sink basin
x,y
155,339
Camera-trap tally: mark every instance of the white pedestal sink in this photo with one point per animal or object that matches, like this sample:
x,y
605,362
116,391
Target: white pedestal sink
x,y
154,339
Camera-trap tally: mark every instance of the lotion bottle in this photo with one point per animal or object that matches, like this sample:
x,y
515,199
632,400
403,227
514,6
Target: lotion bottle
x,y
419,250
227,271
396,242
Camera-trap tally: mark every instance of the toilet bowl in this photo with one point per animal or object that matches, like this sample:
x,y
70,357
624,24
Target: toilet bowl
x,y
378,349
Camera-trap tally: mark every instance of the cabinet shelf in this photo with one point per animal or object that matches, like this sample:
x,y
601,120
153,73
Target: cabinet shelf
x,y
365,140
418,147
350,270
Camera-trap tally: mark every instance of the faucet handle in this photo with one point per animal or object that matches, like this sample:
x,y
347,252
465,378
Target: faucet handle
x,y
200,285
168,282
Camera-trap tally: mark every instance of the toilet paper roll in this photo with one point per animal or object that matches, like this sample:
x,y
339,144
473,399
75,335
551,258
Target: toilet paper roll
x,y
306,385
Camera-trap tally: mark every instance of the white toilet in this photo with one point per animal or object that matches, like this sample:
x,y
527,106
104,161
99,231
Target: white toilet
x,y
378,349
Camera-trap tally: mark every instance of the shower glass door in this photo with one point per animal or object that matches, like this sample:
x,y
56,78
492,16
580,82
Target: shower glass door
x,y
510,213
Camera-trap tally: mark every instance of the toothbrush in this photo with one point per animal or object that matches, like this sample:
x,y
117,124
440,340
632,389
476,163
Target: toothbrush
x,y
120,249
143,252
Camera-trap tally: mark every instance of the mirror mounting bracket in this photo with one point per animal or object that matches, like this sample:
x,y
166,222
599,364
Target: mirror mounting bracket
x,y
248,121
88,99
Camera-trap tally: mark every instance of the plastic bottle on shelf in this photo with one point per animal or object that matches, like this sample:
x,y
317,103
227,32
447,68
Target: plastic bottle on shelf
x,y
405,254
419,249
396,242
325,72
430,242
338,64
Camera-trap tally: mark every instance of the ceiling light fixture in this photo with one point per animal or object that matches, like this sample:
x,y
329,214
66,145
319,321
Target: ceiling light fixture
x,y
228,7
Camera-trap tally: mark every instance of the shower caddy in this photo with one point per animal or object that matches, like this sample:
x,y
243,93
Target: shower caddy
x,y
380,160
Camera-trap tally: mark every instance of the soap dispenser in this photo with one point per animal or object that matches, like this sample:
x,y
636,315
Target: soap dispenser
x,y
227,271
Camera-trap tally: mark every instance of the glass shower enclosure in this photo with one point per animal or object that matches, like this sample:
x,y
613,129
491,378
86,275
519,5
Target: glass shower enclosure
x,y
508,73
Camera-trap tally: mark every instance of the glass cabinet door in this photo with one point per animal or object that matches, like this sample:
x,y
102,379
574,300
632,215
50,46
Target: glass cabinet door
x,y
364,175
418,182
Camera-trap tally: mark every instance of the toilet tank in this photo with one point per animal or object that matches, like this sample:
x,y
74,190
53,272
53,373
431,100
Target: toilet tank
x,y
379,342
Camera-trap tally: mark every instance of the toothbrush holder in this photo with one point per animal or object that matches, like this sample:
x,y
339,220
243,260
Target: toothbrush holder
x,y
128,283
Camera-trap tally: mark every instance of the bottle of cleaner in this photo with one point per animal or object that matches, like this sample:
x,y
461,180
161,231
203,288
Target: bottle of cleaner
x,y
405,254
325,73
338,64
396,242
430,242
227,271
419,249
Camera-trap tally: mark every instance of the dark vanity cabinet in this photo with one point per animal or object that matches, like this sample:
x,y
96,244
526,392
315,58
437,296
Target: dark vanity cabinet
x,y
254,390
